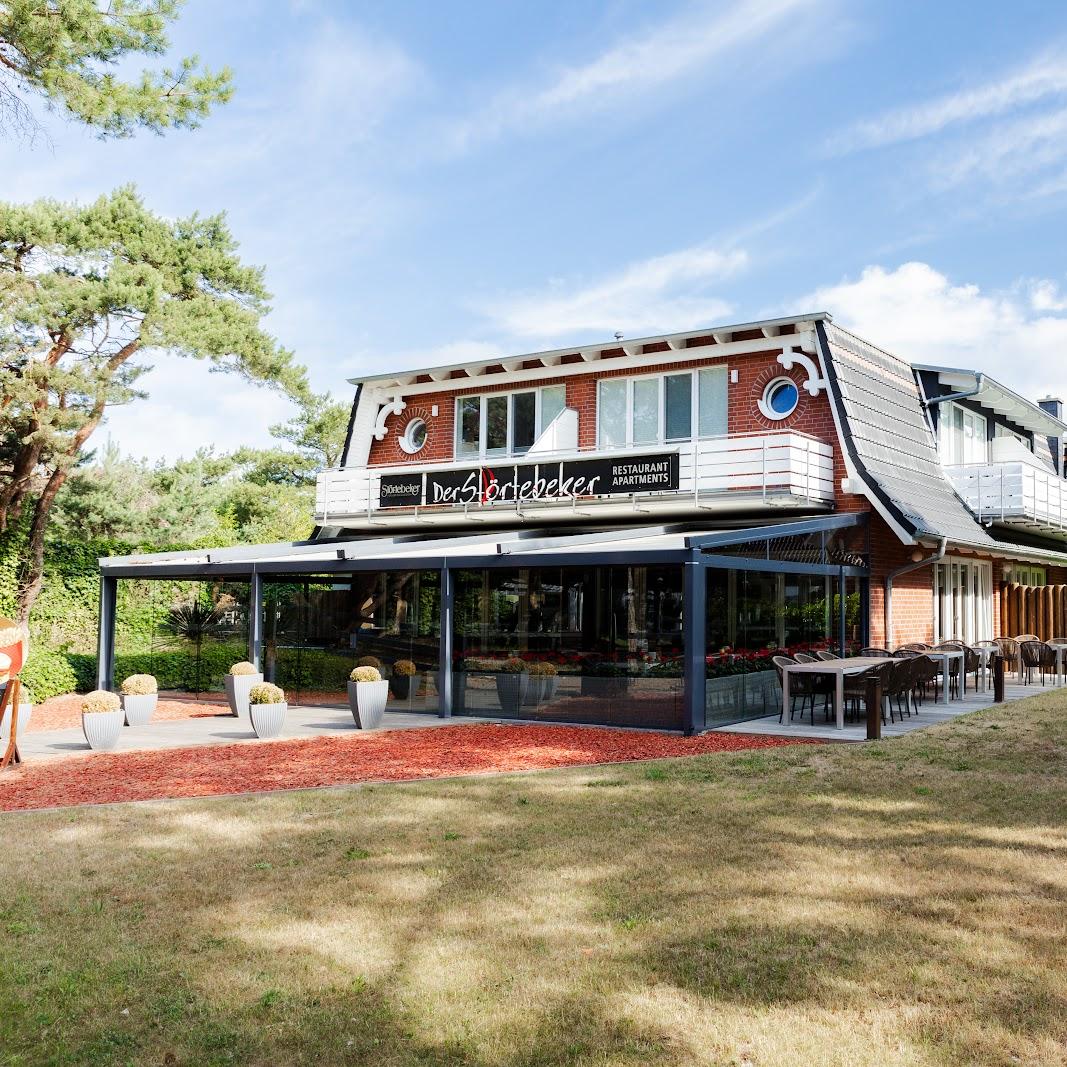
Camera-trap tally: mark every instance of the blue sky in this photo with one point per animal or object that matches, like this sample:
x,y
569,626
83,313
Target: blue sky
x,y
426,181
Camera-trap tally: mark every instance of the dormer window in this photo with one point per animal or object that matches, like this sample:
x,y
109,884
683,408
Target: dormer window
x,y
962,435
662,408
505,424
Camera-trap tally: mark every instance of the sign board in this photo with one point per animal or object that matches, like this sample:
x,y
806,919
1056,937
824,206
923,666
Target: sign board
x,y
564,480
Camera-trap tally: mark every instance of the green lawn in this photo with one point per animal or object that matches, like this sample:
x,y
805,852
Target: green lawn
x,y
897,903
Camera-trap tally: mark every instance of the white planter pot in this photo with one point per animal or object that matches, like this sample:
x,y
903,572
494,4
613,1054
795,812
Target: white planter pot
x,y
237,689
268,719
139,709
102,728
21,722
367,701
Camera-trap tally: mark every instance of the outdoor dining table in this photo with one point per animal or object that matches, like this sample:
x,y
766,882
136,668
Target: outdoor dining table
x,y
839,668
945,655
1060,647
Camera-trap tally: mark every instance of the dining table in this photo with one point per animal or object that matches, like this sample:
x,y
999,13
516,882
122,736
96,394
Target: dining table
x,y
839,669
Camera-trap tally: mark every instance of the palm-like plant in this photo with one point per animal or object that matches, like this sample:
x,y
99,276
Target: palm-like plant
x,y
195,622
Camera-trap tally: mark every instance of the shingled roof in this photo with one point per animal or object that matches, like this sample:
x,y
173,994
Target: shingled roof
x,y
889,443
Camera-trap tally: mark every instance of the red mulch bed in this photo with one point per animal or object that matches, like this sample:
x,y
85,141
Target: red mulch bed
x,y
61,713
396,755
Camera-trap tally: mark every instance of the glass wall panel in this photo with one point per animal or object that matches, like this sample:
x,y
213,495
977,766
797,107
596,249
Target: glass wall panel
x,y
598,645
186,634
711,401
611,412
468,439
755,615
553,401
646,411
315,630
496,425
524,428
678,406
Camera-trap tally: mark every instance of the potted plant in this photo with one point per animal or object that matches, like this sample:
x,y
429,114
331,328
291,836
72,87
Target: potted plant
x,y
102,718
367,696
140,693
22,715
511,684
400,682
370,661
542,685
239,681
266,708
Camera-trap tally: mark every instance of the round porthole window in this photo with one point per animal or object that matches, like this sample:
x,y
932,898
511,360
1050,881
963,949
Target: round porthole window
x,y
414,436
779,399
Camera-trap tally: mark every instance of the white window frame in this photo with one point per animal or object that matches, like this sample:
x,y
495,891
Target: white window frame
x,y
661,408
483,420
952,450
964,589
1028,574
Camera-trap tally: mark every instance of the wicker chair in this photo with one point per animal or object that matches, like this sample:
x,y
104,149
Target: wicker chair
x,y
1009,649
1037,654
856,687
806,686
917,646
794,690
827,657
872,651
898,685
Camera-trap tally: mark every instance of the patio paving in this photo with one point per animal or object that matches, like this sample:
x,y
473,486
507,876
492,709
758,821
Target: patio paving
x,y
929,715
300,722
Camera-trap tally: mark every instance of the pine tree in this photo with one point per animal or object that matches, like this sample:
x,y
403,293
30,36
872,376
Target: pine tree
x,y
87,294
66,50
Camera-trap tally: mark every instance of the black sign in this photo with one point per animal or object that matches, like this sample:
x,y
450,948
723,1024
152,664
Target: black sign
x,y
532,481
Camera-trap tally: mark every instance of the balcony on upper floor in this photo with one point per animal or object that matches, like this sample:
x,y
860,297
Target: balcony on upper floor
x,y
731,474
1013,493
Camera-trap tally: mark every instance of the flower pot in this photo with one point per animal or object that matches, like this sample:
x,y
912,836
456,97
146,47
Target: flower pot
x,y
541,688
400,684
511,691
102,728
21,722
267,719
237,689
367,701
139,709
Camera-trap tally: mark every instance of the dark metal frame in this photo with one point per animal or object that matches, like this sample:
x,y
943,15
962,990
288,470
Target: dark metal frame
x,y
695,561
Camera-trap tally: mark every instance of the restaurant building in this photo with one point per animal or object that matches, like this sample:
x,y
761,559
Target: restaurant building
x,y
626,532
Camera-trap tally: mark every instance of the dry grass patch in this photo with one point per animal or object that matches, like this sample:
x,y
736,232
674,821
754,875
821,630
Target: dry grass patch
x,y
897,903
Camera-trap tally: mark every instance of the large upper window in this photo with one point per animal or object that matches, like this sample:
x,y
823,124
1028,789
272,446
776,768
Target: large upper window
x,y
663,408
962,435
502,424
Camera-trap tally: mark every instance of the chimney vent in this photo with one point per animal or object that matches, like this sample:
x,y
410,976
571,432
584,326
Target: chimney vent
x,y
1053,405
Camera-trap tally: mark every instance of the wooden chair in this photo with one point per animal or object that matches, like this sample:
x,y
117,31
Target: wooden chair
x,y
9,706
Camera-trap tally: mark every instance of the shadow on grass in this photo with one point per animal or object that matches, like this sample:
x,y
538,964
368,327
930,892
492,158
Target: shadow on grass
x,y
521,921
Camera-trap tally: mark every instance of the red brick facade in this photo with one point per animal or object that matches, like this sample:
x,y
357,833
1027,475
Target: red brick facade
x,y
913,607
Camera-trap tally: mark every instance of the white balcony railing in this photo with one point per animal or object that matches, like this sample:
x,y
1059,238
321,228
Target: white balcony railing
x,y
1014,494
734,471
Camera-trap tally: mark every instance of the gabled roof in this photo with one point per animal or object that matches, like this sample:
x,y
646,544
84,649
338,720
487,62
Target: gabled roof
x,y
890,444
590,353
992,394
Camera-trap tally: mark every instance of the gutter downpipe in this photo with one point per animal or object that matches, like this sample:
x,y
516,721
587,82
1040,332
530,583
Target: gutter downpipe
x,y
906,569
979,378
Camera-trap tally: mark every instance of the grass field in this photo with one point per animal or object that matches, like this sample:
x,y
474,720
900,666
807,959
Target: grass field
x,y
897,903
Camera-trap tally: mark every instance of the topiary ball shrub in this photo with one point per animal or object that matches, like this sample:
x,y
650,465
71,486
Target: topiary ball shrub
x,y
404,667
370,661
266,693
366,673
100,700
541,669
512,665
244,667
139,685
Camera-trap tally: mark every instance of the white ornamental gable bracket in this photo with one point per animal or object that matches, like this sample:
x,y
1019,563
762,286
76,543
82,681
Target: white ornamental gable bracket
x,y
390,407
791,358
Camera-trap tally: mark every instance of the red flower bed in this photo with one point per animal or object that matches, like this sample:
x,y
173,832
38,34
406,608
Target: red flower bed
x,y
397,755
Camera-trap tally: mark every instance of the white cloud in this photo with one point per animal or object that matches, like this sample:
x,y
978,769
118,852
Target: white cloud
x,y
1043,77
190,408
918,314
686,46
668,292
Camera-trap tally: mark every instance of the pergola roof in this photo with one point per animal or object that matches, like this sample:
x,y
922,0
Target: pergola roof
x,y
644,544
